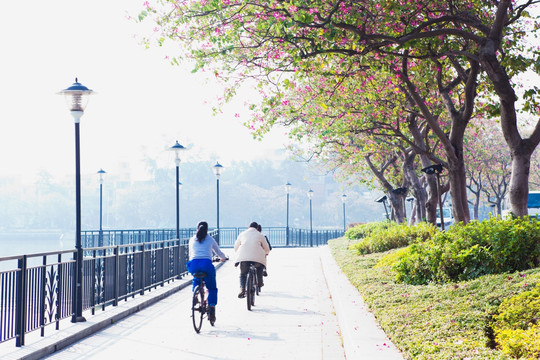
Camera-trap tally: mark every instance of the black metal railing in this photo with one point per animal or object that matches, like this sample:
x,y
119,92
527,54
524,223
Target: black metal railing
x,y
226,236
37,290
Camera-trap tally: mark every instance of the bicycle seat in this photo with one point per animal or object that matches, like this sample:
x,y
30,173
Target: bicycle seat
x,y
200,274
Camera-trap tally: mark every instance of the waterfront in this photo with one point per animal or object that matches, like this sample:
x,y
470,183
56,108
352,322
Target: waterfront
x,y
31,242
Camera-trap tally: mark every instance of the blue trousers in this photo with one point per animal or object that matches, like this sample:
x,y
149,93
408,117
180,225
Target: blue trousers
x,y
206,266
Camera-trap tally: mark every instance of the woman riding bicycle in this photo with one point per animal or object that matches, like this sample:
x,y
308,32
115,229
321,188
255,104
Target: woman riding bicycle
x,y
251,247
201,249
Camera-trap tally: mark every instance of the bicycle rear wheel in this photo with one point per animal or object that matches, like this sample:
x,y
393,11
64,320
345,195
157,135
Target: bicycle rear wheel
x,y
198,308
256,281
250,293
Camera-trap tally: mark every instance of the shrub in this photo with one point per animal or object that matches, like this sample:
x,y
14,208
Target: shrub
x,y
517,325
361,231
466,252
392,257
393,237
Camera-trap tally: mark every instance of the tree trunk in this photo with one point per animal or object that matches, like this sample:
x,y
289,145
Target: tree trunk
x,y
519,182
520,149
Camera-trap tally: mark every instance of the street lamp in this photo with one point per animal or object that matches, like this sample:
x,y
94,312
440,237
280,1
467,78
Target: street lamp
x,y
344,200
76,98
177,148
310,196
382,200
437,170
101,173
218,168
288,191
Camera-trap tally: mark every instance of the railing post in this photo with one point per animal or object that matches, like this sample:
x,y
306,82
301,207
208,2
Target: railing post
x,y
42,305
143,268
116,274
164,264
20,315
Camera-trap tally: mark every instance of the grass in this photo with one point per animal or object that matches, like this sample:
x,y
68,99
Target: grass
x,y
431,321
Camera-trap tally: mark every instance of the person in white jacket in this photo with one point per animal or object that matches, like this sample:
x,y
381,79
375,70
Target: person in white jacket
x,y
250,247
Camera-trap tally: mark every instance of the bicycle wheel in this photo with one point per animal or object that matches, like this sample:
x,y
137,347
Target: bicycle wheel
x,y
253,285
198,308
249,290
257,287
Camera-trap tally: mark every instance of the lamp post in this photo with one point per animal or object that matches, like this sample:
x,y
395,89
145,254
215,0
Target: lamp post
x,y
437,170
101,173
310,196
179,191
177,148
382,200
218,168
288,191
344,200
76,98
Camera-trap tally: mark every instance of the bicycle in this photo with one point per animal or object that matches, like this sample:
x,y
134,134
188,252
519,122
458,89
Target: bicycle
x,y
252,286
199,304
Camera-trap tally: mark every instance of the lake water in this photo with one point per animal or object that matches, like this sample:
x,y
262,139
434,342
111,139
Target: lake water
x,y
31,242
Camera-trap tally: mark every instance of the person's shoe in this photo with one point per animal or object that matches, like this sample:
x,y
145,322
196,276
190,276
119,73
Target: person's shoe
x,y
242,294
260,284
212,315
265,273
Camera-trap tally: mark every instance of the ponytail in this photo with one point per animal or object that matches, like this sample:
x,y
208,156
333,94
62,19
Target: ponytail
x,y
202,231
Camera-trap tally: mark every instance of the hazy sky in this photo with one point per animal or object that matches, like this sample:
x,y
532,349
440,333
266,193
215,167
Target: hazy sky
x,y
142,106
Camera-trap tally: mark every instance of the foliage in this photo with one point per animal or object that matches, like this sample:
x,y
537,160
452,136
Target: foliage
x,y
516,326
395,237
435,321
442,45
466,252
393,256
361,231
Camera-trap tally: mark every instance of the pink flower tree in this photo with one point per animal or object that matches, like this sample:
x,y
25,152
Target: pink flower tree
x,y
470,47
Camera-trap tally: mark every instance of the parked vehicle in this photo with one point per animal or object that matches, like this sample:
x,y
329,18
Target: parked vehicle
x,y
448,217
533,205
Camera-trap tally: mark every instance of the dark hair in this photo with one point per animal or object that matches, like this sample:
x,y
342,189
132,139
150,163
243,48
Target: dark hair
x,y
259,227
253,225
202,231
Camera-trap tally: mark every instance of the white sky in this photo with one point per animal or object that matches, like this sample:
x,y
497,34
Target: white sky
x,y
142,106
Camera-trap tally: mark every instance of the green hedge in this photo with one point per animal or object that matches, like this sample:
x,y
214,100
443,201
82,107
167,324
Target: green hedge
x,y
516,327
465,252
395,236
361,231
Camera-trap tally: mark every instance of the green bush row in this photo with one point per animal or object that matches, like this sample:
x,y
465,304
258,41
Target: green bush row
x,y
466,252
361,231
516,327
394,236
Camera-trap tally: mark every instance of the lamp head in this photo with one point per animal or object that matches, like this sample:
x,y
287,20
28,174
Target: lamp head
x,y
344,198
288,187
177,148
310,194
381,199
101,173
218,168
76,96
433,169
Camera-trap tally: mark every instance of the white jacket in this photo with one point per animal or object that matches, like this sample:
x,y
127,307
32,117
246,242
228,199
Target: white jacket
x,y
251,245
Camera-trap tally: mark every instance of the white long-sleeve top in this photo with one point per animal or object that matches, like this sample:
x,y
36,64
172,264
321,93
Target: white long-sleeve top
x,y
204,249
251,245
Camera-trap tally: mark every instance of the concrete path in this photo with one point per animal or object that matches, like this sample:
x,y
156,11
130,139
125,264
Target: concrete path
x,y
307,310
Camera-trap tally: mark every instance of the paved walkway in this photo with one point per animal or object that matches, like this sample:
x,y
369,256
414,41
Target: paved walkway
x,y
307,310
